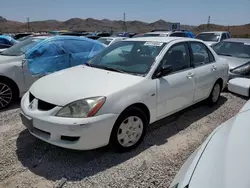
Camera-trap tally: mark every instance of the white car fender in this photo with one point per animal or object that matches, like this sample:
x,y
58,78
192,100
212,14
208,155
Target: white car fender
x,y
14,73
146,96
184,175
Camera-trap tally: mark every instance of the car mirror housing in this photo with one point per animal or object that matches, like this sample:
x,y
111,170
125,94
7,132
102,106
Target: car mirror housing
x,y
164,70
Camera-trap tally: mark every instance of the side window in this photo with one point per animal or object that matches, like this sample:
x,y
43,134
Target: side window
x,y
48,49
178,57
223,37
177,35
3,41
201,54
77,46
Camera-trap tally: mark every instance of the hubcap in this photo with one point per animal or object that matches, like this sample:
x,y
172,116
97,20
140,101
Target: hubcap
x,y
216,93
5,95
130,131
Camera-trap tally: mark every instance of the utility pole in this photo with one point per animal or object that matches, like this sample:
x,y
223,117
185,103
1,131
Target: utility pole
x,y
208,23
124,22
28,23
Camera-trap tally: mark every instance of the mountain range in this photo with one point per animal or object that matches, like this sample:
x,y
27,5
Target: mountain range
x,y
90,24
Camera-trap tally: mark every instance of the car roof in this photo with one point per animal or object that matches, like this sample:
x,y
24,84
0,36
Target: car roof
x,y
113,37
244,40
159,32
6,37
41,37
52,37
161,39
214,32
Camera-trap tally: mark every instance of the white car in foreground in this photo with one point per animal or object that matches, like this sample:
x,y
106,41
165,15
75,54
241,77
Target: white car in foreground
x,y
222,161
117,94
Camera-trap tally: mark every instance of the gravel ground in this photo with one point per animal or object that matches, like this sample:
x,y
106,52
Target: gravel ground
x,y
28,162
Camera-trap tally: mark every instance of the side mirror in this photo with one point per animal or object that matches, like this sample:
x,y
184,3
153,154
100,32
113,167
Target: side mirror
x,y
164,70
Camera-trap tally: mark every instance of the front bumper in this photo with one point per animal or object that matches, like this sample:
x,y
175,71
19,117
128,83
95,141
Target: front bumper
x,y
71,133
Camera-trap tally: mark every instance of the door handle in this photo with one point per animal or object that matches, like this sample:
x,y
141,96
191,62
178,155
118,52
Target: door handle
x,y
190,75
214,68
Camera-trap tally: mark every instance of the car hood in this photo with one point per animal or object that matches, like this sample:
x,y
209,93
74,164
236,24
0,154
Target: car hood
x,y
9,59
81,82
234,62
225,161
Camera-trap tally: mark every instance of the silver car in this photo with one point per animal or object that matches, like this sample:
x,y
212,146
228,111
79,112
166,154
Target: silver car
x,y
237,53
222,161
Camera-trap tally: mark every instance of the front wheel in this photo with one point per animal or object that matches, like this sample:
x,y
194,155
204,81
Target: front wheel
x,y
6,94
129,130
215,94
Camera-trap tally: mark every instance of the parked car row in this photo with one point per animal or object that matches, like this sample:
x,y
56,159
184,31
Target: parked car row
x,y
83,94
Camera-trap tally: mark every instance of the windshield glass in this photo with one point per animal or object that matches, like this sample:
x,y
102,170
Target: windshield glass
x,y
234,49
105,40
21,47
214,37
133,57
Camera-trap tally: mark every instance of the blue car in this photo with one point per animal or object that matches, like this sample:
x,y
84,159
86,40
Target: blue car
x,y
6,41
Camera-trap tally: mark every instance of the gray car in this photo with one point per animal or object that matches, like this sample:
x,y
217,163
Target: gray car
x,y
237,53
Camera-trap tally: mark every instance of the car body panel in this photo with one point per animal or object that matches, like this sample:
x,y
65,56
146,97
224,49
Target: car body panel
x,y
224,162
78,76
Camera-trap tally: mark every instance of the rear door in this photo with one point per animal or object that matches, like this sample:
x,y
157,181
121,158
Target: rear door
x,y
205,70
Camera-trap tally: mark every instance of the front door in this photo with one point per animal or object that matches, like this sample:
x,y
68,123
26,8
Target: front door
x,y
176,90
205,70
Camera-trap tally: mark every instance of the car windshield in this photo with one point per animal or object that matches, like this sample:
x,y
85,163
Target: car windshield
x,y
21,47
234,49
106,41
132,57
214,37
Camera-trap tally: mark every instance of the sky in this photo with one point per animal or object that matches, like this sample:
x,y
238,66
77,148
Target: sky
x,y
192,12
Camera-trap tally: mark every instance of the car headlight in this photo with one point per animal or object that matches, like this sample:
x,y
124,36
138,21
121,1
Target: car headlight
x,y
244,69
82,108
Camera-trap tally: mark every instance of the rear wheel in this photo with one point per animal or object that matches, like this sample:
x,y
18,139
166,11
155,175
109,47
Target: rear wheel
x,y
215,94
8,93
129,130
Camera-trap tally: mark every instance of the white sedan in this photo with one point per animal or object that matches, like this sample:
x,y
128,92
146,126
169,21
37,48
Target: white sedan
x,y
222,161
117,94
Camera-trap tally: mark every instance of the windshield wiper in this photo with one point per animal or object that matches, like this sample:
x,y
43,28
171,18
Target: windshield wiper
x,y
113,69
225,54
87,64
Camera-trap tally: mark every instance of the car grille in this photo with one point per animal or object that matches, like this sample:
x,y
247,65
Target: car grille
x,y
42,105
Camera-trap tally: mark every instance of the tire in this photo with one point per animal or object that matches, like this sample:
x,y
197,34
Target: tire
x,y
8,93
123,131
215,94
